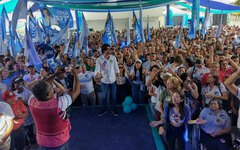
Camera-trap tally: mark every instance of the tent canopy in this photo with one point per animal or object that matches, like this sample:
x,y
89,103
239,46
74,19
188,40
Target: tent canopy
x,y
121,5
105,5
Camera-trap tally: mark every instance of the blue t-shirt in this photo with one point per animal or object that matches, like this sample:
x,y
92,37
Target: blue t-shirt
x,y
215,122
175,118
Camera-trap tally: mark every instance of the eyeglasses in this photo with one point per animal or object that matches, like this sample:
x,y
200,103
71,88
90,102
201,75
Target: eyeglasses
x,y
120,67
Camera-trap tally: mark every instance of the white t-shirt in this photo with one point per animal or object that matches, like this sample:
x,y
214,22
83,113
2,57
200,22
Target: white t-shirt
x,y
86,80
108,68
216,90
25,95
198,73
27,77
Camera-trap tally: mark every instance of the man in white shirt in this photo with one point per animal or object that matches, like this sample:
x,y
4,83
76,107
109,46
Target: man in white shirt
x,y
87,92
6,125
107,69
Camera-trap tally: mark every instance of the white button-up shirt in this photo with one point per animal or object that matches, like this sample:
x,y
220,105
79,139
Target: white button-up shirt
x,y
108,68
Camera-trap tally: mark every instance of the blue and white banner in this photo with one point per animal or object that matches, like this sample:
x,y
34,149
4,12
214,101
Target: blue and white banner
x,y
56,16
136,29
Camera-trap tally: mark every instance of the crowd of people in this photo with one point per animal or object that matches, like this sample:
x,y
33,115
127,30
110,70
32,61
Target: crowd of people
x,y
195,82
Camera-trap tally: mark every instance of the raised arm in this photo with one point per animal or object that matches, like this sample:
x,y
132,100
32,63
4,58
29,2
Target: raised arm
x,y
76,85
229,82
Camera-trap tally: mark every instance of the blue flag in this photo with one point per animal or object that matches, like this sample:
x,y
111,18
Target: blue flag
x,y
141,22
136,29
38,34
191,32
179,37
115,41
32,24
169,16
109,35
83,40
79,22
128,32
207,20
19,10
219,26
106,37
30,52
57,38
11,45
148,29
66,44
18,44
4,19
3,47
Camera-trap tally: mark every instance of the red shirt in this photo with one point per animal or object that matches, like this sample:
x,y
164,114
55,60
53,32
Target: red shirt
x,y
205,76
18,108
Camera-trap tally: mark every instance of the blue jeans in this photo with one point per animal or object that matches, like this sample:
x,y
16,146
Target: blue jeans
x,y
62,147
106,88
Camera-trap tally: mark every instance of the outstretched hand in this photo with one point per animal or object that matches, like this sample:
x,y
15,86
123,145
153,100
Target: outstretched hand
x,y
155,123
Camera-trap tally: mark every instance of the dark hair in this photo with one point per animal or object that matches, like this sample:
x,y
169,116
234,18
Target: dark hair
x,y
104,47
140,72
17,79
178,59
218,101
181,105
47,69
40,90
154,66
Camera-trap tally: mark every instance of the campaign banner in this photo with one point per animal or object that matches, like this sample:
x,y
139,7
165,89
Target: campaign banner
x,y
56,16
